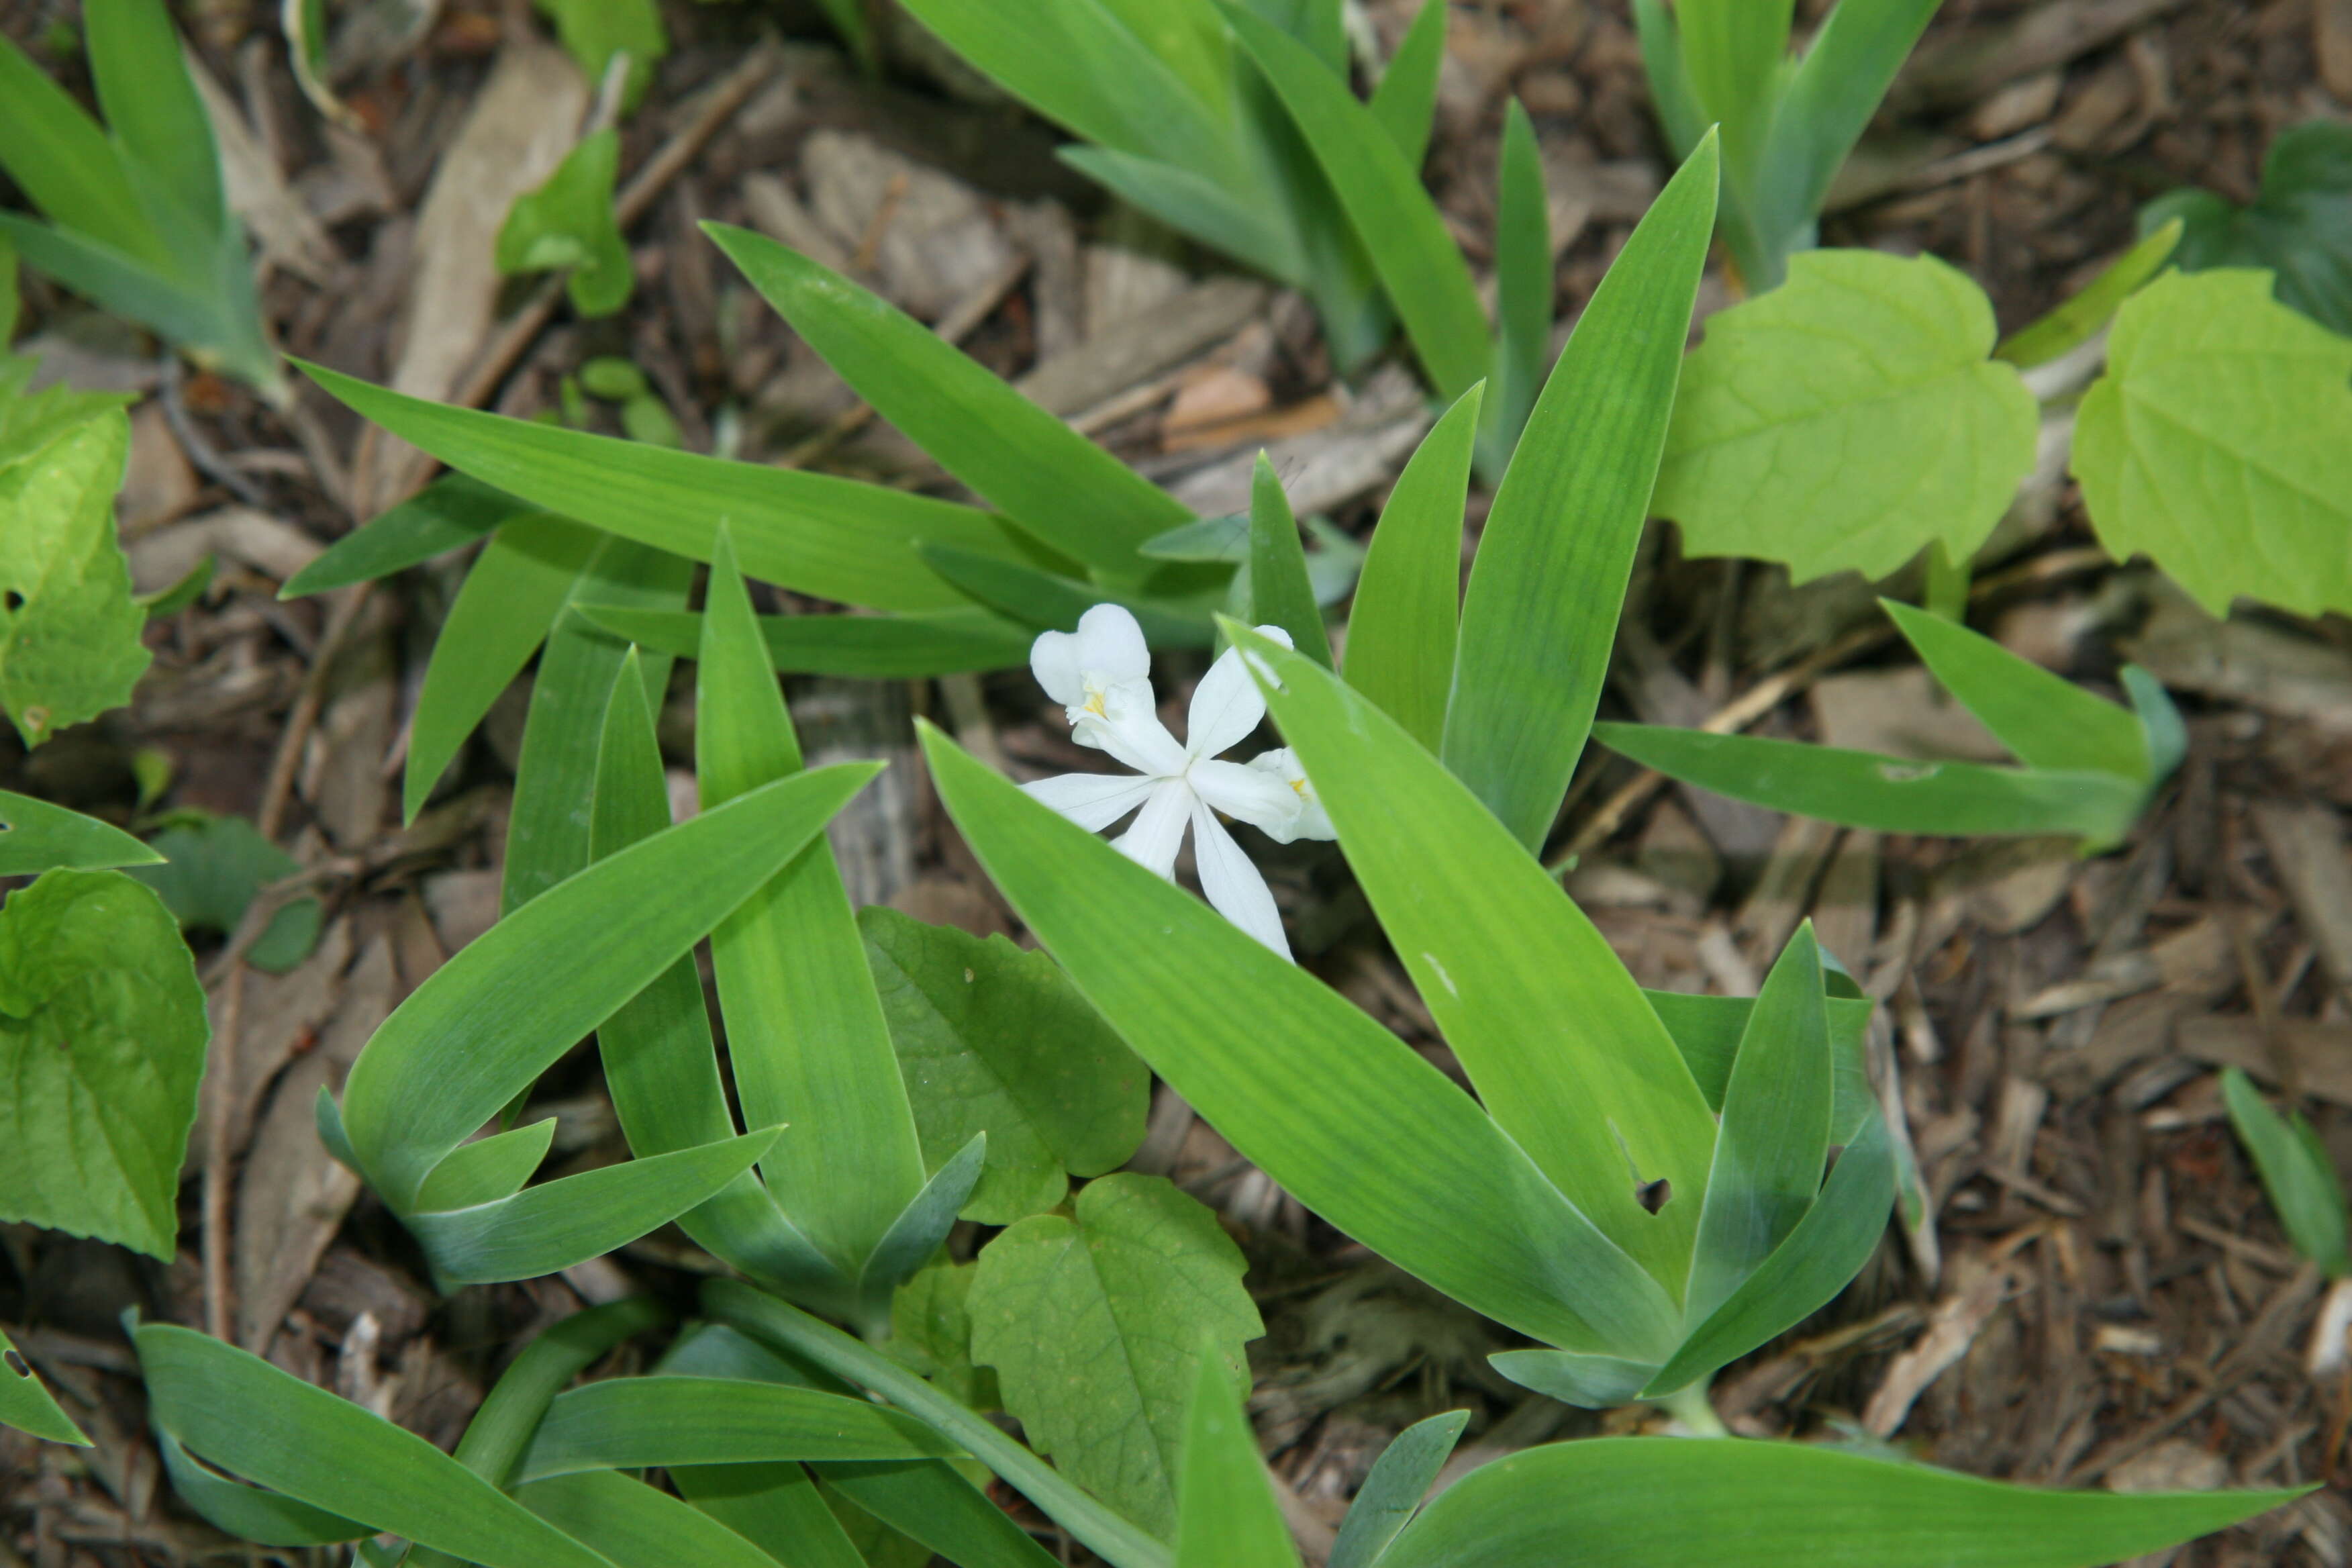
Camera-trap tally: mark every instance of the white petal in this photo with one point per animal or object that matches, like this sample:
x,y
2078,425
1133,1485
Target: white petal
x,y
1133,733
1055,659
1158,830
1226,705
1233,883
1092,801
1311,820
1110,644
1252,794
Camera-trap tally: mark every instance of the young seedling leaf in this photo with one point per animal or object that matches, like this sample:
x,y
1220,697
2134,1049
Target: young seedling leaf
x,y
103,1036
36,837
2078,321
245,1415
1279,592
453,511
2218,444
1470,1213
568,225
1094,1322
70,645
1402,625
28,1405
2299,228
1889,794
809,1043
1392,1493
871,648
1540,613
994,1040
2305,1190
2046,720
1847,419
1024,460
1555,1035
816,534
211,869
1225,1513
1668,1502
502,614
630,1423
593,31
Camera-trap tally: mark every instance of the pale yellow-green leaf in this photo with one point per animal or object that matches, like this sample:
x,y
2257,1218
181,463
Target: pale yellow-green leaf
x,y
2220,444
1847,419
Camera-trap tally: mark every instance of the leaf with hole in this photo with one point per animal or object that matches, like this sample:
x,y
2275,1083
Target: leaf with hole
x,y
70,628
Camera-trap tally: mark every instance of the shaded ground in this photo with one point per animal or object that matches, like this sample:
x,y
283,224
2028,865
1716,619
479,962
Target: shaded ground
x,y
2101,1298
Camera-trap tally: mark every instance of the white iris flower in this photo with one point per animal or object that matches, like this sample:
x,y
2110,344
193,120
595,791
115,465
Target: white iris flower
x,y
1102,674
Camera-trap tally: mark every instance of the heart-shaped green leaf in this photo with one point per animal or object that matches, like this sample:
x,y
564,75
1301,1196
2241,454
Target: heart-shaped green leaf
x,y
2299,227
102,1037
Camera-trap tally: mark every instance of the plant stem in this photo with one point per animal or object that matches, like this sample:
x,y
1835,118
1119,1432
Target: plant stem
x,y
1691,1408
1946,593
764,1317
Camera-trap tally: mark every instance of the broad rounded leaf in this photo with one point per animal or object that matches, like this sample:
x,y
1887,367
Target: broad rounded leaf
x,y
102,1037
1847,419
993,1039
1093,1326
2220,444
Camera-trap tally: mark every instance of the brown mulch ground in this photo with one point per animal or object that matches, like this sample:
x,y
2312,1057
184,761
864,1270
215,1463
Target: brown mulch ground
x,y
2100,1295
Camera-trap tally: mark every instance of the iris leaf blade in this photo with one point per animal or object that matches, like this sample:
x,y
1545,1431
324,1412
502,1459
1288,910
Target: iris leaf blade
x,y
1402,625
1563,1046
1540,612
1474,1216
816,534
